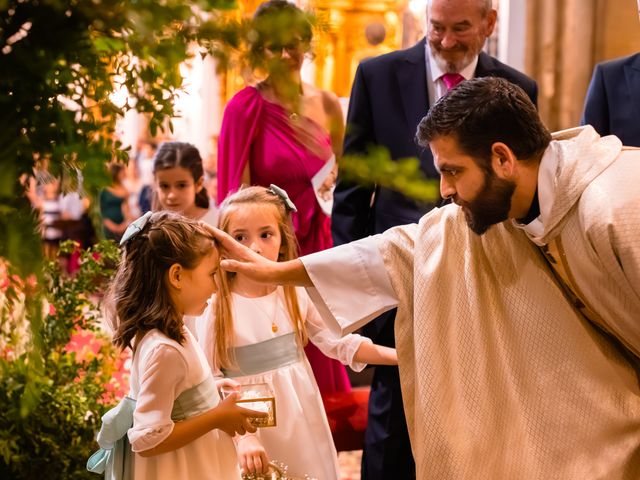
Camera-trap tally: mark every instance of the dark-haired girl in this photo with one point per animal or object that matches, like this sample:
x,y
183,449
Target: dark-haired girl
x,y
181,428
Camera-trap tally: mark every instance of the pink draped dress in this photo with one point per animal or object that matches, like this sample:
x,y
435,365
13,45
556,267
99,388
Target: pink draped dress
x,y
257,131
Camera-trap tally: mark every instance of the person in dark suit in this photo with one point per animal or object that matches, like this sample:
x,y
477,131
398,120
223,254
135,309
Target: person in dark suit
x,y
390,95
612,105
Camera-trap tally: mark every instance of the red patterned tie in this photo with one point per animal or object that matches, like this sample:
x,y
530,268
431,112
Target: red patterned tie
x,y
451,79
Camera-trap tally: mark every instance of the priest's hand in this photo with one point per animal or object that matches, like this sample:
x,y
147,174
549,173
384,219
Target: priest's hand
x,y
240,259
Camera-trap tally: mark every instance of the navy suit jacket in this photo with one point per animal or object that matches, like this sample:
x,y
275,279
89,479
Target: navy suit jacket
x,y
389,97
612,105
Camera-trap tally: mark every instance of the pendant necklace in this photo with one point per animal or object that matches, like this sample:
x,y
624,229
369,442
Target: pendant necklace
x,y
274,325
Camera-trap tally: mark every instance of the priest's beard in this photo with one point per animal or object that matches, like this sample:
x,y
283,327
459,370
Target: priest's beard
x,y
490,206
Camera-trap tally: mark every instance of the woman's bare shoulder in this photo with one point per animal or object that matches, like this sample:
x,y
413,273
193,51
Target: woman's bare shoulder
x,y
331,104
328,100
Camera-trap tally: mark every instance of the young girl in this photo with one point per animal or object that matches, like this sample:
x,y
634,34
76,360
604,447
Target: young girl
x,y
255,334
286,131
167,270
179,182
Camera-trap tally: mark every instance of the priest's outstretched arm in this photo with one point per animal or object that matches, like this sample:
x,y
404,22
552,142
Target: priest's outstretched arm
x,y
349,284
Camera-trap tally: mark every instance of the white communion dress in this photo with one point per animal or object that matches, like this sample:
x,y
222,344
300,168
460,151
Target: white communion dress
x,y
162,369
302,438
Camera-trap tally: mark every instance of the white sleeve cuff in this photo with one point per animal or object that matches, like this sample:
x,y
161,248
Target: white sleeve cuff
x,y
351,284
146,437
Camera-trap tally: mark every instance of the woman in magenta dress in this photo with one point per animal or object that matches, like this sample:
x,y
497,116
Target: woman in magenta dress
x,y
284,131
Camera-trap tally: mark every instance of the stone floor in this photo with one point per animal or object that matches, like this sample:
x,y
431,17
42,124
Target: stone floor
x,y
350,465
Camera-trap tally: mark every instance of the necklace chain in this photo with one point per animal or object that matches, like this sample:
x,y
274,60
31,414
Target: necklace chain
x,y
274,325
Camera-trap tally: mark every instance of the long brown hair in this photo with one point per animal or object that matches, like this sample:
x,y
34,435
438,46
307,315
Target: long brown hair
x,y
288,251
138,299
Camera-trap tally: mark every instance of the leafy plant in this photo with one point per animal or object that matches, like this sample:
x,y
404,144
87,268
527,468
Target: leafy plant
x,y
49,415
403,175
62,63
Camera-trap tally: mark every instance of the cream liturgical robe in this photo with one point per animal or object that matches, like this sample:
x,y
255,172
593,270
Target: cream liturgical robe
x,y
502,378
589,227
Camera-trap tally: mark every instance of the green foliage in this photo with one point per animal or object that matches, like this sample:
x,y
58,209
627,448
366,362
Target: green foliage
x,y
61,63
49,415
377,168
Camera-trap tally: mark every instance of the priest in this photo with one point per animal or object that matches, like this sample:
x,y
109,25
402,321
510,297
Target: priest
x,y
515,330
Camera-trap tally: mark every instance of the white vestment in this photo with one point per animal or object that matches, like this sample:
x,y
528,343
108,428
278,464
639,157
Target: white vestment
x,y
589,227
501,377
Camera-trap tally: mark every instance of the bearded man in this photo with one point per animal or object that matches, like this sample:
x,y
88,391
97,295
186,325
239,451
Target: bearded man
x,y
517,340
390,94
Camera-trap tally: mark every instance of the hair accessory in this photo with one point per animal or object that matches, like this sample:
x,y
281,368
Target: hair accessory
x,y
276,190
135,227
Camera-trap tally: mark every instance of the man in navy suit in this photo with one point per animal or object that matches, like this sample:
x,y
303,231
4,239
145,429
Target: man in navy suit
x,y
612,105
390,95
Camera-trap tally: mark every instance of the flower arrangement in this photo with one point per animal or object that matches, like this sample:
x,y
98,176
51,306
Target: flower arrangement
x,y
58,370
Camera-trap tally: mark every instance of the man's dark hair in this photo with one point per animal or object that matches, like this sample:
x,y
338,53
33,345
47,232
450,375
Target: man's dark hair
x,y
483,111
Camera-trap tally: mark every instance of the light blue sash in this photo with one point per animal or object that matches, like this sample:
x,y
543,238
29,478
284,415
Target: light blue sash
x,y
264,356
114,457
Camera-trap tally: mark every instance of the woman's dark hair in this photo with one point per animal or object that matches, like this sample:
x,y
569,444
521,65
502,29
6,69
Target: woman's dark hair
x,y
138,299
115,169
185,155
279,23
482,111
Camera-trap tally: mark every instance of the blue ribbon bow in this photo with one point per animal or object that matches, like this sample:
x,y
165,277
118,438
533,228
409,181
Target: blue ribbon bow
x,y
114,457
280,192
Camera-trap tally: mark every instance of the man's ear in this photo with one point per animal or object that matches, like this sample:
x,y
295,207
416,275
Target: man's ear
x,y
503,160
492,17
174,276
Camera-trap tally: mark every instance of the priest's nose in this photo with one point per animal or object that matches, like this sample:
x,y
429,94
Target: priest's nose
x,y
447,190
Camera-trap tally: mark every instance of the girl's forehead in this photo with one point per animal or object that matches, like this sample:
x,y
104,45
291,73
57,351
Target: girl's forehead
x,y
209,259
252,213
174,174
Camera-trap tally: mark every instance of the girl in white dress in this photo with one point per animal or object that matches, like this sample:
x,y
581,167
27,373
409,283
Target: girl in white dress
x,y
180,429
256,334
178,174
